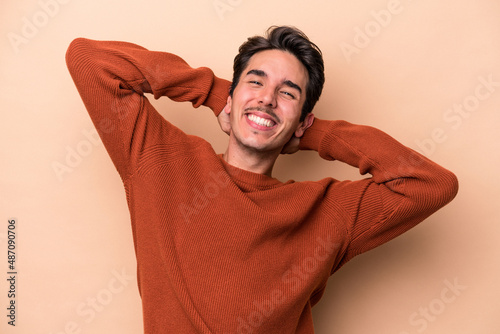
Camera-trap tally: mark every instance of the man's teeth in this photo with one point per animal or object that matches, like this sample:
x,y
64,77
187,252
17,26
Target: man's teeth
x,y
260,120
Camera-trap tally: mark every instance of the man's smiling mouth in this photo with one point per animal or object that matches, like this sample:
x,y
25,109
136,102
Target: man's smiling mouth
x,y
262,118
261,121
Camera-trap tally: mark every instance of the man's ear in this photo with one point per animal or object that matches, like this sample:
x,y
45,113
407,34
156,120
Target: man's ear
x,y
227,108
304,125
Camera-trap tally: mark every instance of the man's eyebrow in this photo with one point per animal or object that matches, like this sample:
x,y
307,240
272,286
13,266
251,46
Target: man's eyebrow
x,y
259,73
291,84
288,83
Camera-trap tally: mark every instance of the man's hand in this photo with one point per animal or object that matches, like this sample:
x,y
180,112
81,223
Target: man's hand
x,y
224,121
292,146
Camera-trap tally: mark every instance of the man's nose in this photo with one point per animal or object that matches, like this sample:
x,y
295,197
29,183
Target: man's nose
x,y
268,97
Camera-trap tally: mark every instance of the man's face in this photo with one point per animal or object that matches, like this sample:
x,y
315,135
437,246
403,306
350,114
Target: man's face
x,y
267,102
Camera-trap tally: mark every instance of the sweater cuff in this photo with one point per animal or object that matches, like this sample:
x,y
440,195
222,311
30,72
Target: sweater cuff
x,y
313,136
217,97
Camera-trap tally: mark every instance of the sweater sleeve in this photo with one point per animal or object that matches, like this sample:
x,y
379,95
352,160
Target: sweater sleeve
x,y
112,78
404,188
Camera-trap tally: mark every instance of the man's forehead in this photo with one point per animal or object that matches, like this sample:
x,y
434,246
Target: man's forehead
x,y
278,62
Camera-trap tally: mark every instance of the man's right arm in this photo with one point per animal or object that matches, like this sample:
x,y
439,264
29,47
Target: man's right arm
x,y
112,78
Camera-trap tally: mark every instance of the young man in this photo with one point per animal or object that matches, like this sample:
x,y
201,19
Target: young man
x,y
222,246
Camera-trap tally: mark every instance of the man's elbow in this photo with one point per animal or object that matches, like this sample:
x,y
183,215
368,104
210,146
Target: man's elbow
x,y
73,49
80,57
446,188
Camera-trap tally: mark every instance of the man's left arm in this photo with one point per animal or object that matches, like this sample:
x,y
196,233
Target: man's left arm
x,y
404,188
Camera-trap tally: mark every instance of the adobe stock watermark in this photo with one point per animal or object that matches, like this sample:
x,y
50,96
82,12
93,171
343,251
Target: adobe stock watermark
x,y
455,115
429,313
88,310
74,155
293,280
202,196
30,26
364,35
221,7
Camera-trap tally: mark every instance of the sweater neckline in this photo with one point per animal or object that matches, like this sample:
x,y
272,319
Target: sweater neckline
x,y
249,180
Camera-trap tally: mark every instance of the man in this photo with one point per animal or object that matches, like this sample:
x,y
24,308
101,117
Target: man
x,y
222,246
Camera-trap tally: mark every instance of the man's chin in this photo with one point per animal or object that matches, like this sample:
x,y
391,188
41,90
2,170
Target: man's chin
x,y
256,142
257,147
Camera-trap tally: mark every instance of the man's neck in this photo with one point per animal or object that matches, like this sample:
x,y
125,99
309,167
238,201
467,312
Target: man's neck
x,y
251,160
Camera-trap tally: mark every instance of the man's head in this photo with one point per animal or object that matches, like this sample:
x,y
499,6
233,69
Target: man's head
x,y
277,81
295,42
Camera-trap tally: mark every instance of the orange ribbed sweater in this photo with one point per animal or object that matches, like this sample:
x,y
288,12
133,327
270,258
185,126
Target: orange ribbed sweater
x,y
224,250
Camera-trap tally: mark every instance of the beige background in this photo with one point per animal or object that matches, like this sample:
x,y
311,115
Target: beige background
x,y
406,73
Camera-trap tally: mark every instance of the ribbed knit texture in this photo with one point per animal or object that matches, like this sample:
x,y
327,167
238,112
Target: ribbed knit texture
x,y
224,250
